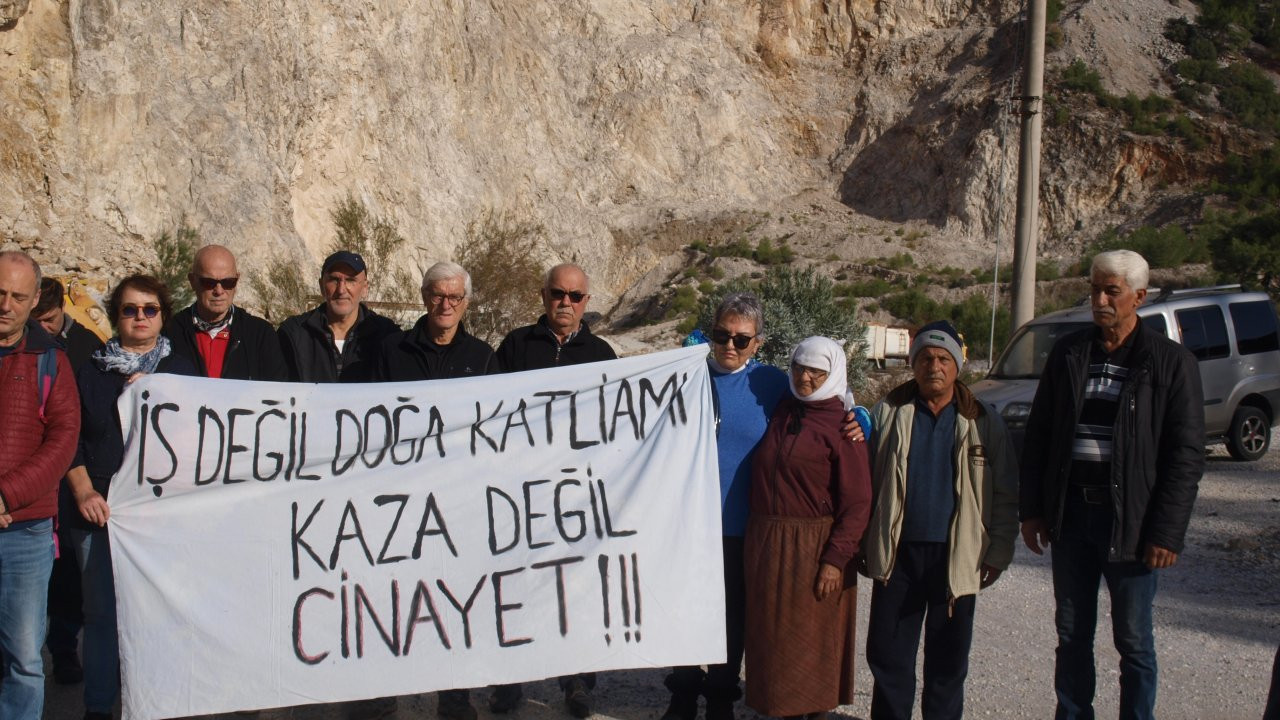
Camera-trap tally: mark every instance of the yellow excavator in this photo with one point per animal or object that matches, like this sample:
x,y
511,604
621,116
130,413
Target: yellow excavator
x,y
80,304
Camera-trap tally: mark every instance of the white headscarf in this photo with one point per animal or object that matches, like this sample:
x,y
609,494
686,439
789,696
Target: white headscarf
x,y
823,353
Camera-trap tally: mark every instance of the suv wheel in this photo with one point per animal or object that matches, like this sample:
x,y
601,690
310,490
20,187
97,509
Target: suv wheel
x,y
1250,434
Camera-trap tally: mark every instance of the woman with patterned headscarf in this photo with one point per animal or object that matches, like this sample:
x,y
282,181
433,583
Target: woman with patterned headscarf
x,y
139,307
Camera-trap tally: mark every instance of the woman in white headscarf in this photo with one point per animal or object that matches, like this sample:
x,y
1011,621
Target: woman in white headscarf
x,y
810,500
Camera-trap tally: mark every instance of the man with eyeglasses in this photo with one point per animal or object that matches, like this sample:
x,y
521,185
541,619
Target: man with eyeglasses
x,y
438,345
945,497
340,339
559,337
220,339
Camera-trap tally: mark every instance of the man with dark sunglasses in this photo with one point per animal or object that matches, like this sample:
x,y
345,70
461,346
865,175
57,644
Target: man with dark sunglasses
x,y
560,337
222,340
340,340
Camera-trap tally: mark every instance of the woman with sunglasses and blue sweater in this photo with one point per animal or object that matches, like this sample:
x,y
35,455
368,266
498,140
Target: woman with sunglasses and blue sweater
x,y
138,308
746,393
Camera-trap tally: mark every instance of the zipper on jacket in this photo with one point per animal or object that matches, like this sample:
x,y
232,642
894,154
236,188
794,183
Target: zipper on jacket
x,y
1078,382
896,521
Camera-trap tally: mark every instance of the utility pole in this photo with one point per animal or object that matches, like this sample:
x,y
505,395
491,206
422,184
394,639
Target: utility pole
x,y
1024,244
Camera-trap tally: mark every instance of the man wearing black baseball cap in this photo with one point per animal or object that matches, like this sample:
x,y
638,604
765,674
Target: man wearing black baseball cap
x,y
339,340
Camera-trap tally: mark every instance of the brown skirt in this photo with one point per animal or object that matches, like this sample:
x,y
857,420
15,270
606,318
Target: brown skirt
x,y
800,652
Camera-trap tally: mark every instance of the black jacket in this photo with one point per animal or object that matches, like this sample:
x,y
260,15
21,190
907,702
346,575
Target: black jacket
x,y
101,446
1157,448
534,347
78,341
253,352
412,355
310,354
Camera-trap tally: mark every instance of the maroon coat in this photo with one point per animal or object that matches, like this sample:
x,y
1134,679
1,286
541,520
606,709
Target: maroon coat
x,y
35,452
805,467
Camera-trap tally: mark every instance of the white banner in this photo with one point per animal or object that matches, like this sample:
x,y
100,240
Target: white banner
x,y
281,544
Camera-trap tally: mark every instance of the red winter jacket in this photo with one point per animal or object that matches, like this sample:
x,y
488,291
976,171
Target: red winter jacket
x,y
35,453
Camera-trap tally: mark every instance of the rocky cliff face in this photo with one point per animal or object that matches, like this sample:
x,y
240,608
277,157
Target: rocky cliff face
x,y
597,118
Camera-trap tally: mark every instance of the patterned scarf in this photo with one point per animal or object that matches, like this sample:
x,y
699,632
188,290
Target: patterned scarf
x,y
205,326
113,358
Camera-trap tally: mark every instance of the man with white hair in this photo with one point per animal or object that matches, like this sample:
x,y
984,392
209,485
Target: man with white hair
x,y
438,345
559,337
945,498
1112,460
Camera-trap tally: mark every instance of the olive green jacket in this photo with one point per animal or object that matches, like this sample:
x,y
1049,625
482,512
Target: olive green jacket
x,y
984,524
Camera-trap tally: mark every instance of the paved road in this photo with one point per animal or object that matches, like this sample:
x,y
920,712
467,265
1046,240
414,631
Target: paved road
x,y
1217,615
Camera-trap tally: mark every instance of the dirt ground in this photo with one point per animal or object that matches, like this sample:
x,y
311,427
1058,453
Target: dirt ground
x,y
1217,629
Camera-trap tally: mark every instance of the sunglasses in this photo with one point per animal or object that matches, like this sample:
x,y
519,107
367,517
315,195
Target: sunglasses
x,y
133,311
574,296
227,283
722,337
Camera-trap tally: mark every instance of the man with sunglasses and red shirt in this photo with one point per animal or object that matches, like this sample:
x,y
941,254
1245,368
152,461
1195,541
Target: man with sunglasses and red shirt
x,y
560,337
220,339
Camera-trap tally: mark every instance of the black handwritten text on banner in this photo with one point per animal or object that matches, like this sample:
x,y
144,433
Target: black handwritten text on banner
x,y
279,544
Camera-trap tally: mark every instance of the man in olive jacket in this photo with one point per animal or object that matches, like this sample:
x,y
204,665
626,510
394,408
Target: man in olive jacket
x,y
1113,456
943,525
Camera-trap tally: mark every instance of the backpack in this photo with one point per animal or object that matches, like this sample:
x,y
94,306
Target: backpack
x,y
46,373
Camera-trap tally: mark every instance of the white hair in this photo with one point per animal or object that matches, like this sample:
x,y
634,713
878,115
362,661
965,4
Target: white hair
x,y
1123,263
446,271
546,280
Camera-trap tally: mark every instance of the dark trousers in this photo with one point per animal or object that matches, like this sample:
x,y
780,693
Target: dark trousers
x,y
1273,698
1079,565
721,681
516,690
917,594
65,602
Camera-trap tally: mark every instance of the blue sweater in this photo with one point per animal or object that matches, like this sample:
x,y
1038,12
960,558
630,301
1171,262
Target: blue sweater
x,y
746,400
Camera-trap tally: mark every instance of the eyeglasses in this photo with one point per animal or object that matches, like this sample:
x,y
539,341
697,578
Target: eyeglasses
x,y
132,311
722,337
453,300
227,283
802,370
574,296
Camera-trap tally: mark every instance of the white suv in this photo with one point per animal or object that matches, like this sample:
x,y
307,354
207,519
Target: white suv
x,y
1234,335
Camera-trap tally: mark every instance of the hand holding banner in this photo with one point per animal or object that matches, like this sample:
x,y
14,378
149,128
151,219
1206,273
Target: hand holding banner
x,y
280,544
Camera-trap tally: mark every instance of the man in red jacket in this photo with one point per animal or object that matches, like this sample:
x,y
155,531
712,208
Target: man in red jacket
x,y
41,411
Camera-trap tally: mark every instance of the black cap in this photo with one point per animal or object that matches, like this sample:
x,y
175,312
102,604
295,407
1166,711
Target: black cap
x,y
343,257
